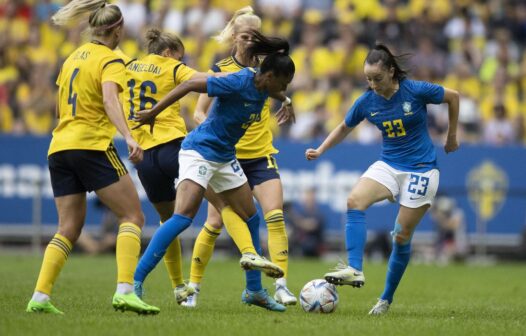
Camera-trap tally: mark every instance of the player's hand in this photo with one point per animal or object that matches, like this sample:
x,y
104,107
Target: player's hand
x,y
312,154
199,117
451,144
285,114
145,117
134,150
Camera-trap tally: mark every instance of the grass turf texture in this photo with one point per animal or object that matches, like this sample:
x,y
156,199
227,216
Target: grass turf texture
x,y
452,300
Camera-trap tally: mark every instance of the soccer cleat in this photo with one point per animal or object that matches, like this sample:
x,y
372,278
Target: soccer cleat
x,y
137,288
191,300
284,296
131,302
345,275
381,307
44,307
182,292
250,261
261,299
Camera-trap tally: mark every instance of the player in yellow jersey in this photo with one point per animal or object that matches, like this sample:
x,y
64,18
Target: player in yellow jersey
x,y
255,154
148,80
82,157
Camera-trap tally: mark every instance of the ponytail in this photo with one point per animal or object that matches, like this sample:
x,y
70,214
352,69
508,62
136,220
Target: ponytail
x,y
102,20
380,53
262,45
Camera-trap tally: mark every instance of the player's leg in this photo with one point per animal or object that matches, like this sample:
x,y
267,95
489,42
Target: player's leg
x,y
270,196
71,213
376,184
122,199
204,247
417,193
242,204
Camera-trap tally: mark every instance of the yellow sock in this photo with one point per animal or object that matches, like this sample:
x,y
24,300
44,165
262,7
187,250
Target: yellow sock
x,y
128,250
237,229
57,252
278,243
203,249
173,261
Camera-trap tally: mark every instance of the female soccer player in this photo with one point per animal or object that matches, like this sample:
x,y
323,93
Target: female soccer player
x,y
407,167
148,80
255,154
82,157
208,157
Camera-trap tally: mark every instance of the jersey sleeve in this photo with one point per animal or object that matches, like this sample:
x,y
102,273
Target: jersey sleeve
x,y
429,93
355,114
114,71
223,86
183,73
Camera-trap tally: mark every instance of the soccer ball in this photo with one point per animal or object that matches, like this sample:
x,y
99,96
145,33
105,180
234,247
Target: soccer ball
x,y
319,296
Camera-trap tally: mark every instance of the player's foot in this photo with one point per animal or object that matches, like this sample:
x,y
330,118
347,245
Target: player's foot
x,y
381,307
261,299
45,307
345,275
250,261
137,288
131,302
284,296
191,300
182,292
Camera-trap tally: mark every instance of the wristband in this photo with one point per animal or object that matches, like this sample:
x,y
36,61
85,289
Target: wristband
x,y
286,102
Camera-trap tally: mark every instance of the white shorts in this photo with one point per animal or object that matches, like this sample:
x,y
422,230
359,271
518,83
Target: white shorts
x,y
221,176
414,189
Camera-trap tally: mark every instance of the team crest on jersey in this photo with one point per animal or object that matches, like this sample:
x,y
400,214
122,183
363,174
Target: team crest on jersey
x,y
406,106
202,170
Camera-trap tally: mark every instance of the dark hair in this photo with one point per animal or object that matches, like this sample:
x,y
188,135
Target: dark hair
x,y
380,53
158,42
276,51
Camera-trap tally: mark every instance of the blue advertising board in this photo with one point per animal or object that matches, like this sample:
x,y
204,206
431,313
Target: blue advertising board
x,y
488,183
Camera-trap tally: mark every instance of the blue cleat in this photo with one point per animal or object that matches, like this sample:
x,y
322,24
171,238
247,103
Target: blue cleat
x,y
261,299
137,288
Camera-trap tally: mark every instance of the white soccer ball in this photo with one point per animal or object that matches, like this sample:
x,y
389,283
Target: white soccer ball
x,y
319,296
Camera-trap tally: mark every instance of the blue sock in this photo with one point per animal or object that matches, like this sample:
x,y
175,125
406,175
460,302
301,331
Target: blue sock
x,y
253,278
395,269
355,237
162,238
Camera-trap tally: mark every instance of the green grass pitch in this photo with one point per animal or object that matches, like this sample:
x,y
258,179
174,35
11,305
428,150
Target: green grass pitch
x,y
452,300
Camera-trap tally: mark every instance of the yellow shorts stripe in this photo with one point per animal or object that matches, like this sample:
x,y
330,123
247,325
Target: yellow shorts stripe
x,y
115,162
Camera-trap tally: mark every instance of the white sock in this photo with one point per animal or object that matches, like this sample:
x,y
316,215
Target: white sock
x,y
124,288
40,297
281,282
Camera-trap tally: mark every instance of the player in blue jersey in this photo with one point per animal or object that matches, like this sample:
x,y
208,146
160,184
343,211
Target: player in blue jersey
x,y
407,167
207,155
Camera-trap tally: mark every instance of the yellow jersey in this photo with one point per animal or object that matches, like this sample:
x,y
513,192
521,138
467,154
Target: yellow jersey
x,y
83,123
147,81
257,141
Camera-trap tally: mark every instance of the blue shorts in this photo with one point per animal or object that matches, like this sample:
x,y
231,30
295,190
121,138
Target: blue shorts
x,y
78,171
260,170
159,169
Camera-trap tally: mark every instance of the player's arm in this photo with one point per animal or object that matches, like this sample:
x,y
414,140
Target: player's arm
x,y
451,98
201,108
335,137
181,90
113,108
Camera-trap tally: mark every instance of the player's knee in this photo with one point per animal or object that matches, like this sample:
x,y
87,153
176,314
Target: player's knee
x,y
215,223
355,203
136,217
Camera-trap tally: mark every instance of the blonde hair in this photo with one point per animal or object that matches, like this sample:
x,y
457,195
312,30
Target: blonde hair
x,y
158,41
102,19
243,16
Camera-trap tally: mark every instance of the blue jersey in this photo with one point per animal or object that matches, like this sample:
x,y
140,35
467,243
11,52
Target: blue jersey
x,y
403,122
238,105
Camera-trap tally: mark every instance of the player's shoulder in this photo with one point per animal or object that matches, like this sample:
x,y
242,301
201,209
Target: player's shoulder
x,y
228,64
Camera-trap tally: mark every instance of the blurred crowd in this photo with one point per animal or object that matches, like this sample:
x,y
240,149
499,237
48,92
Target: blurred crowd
x,y
476,47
